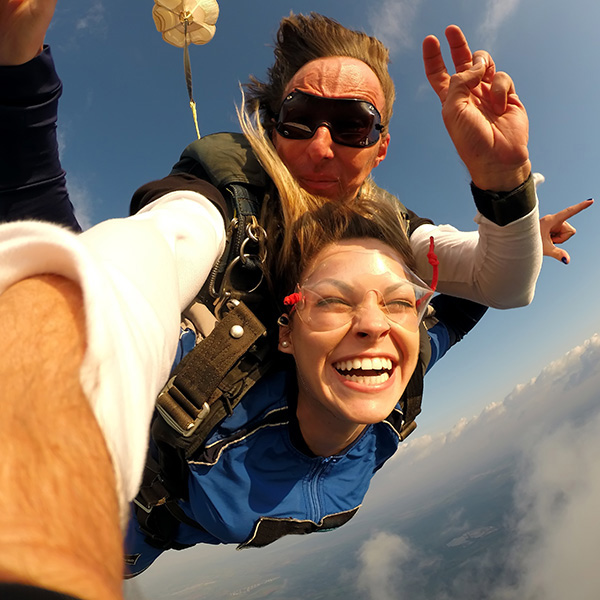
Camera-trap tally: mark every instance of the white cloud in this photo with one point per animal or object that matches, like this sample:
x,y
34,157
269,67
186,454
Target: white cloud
x,y
82,200
456,524
93,18
551,427
132,590
558,532
392,22
79,193
497,12
61,140
382,560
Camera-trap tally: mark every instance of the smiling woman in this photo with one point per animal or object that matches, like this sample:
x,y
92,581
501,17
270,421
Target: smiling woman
x,y
354,338
298,452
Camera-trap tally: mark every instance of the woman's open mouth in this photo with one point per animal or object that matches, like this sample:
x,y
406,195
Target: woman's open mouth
x,y
368,371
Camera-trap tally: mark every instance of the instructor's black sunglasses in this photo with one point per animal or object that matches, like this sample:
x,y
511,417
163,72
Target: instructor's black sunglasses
x,y
351,122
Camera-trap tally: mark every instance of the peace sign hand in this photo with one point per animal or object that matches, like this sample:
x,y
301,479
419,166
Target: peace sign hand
x,y
482,113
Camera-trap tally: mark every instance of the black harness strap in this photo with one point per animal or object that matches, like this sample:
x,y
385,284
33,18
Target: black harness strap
x,y
188,399
157,512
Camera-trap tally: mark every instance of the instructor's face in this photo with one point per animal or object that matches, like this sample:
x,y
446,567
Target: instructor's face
x,y
321,166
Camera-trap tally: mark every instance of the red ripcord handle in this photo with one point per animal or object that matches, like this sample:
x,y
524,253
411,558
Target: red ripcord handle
x,y
434,262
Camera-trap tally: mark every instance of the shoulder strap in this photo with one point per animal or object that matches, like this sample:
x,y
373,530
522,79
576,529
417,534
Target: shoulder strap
x,y
223,159
413,395
227,161
213,377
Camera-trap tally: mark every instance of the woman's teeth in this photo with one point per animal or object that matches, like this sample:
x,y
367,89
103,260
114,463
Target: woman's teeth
x,y
361,370
364,364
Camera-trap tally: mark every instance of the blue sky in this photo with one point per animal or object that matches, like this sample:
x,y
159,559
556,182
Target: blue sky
x,y
124,120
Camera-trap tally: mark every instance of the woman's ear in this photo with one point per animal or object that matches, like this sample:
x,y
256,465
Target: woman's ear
x,y
285,335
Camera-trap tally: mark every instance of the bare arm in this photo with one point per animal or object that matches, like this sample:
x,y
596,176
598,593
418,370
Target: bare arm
x,y
23,26
76,364
59,520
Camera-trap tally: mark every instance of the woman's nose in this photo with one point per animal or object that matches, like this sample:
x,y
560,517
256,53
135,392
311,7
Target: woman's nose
x,y
370,320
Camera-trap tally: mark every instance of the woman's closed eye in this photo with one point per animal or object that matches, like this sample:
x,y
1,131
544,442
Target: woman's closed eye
x,y
333,303
400,305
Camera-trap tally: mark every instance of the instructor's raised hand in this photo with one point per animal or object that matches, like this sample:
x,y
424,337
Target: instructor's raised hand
x,y
482,113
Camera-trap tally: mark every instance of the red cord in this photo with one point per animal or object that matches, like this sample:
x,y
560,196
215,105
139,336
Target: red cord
x,y
434,262
292,299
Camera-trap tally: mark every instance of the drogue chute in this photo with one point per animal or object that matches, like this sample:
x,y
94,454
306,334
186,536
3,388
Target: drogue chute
x,y
185,22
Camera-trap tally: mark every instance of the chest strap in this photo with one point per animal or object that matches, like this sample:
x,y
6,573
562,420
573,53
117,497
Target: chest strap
x,y
212,378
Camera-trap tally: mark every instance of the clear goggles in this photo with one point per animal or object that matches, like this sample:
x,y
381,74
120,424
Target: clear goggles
x,y
344,286
351,122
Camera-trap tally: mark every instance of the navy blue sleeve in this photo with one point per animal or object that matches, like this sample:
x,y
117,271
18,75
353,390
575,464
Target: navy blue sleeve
x,y
17,591
455,318
32,181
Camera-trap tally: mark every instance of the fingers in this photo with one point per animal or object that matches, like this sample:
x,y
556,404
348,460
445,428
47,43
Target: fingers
x,y
459,48
490,67
556,230
435,68
480,62
502,87
551,250
463,58
565,232
558,254
571,211
561,255
461,84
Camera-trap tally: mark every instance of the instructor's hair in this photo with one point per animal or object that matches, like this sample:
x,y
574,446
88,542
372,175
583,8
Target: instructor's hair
x,y
303,38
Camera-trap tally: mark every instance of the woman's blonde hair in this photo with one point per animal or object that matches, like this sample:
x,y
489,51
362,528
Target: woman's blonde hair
x,y
299,224
303,38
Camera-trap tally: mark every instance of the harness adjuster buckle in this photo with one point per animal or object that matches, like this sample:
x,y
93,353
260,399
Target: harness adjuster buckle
x,y
147,509
183,423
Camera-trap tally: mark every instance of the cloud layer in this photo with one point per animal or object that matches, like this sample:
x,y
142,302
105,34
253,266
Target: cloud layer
x,y
550,428
497,12
392,22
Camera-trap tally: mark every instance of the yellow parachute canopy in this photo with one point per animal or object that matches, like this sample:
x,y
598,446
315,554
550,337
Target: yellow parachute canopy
x,y
184,22
172,16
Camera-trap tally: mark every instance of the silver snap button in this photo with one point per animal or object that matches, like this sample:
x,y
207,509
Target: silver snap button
x,y
236,332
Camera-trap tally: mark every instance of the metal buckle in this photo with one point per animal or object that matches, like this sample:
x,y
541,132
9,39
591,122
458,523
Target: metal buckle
x,y
194,422
146,509
254,235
